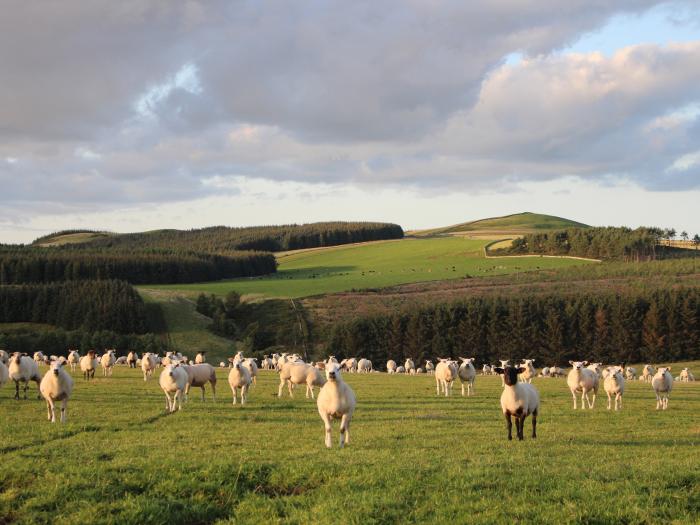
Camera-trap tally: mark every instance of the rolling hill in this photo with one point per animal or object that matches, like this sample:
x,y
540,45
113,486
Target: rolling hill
x,y
516,224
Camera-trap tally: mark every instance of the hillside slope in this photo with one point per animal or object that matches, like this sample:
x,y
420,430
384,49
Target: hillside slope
x,y
518,223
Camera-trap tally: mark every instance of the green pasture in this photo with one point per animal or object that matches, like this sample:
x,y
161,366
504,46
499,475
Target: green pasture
x,y
413,457
375,265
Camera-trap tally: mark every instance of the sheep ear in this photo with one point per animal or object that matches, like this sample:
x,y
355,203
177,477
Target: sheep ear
x,y
669,369
571,362
532,360
498,370
521,369
585,363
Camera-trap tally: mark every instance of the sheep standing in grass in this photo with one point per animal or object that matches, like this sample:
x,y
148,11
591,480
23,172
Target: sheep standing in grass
x,y
148,365
266,363
107,361
429,367
252,367
364,366
597,368
409,366
504,363
39,358
57,385
239,379
486,370
581,379
518,400
23,369
614,385
198,376
73,359
545,372
4,374
200,358
556,371
173,381
131,359
662,383
88,365
300,374
467,374
350,364
686,375
336,400
630,373
647,373
445,374
391,366
530,371
400,370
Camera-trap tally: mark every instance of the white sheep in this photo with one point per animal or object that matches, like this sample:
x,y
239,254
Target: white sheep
x,y
88,365
239,379
299,374
200,358
530,371
647,373
420,371
630,373
445,374
409,367
73,359
400,370
4,357
662,383
545,372
332,359
597,368
486,370
556,371
252,367
350,364
173,381
131,359
23,369
429,367
614,385
4,374
336,400
56,385
391,366
686,375
107,361
39,358
504,363
266,363
364,366
518,400
467,374
582,380
148,365
199,375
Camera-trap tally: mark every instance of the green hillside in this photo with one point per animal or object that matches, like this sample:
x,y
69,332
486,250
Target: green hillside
x,y
517,223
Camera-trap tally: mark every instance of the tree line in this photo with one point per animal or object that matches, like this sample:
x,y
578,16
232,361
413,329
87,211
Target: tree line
x,y
86,305
661,325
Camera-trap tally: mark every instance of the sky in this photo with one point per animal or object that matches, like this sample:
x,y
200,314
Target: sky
x,y
135,115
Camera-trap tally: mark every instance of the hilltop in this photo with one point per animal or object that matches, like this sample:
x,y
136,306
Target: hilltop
x,y
515,224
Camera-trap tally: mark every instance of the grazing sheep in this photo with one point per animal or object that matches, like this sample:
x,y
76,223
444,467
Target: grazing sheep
x,y
107,361
200,358
57,385
556,371
131,359
173,381
4,374
467,374
349,364
120,360
662,383
88,365
199,375
336,400
364,366
266,363
630,373
647,373
23,369
518,400
530,371
545,372
252,367
614,385
686,375
299,374
486,370
445,374
73,359
409,367
582,380
420,371
429,367
4,357
148,365
391,366
400,370
239,379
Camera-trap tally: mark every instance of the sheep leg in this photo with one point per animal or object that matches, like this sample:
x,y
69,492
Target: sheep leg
x,y
187,391
203,400
244,394
573,394
290,387
470,388
167,401
64,406
448,387
583,399
178,399
307,391
534,425
327,424
591,405
344,430
233,390
658,401
610,400
618,400
509,422
462,389
282,382
26,387
16,389
48,409
437,386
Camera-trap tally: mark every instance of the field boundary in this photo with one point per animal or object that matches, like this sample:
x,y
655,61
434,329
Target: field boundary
x,y
487,256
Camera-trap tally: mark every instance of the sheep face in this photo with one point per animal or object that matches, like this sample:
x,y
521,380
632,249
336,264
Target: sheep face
x,y
169,369
56,367
662,370
578,365
17,358
510,374
333,372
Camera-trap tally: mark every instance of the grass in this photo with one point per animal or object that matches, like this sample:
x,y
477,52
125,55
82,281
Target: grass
x,y
374,265
413,458
517,223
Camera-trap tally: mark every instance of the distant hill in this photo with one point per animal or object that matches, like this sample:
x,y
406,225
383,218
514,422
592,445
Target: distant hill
x,y
516,224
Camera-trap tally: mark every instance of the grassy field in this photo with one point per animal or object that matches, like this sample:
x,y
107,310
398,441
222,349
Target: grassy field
x,y
517,223
374,265
413,457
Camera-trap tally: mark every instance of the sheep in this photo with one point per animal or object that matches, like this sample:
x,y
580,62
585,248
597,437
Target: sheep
x,y
400,370
391,366
39,358
420,371
647,373
4,357
301,373
662,383
173,380
630,373
529,372
429,367
332,359
281,361
239,379
73,359
266,363
364,366
686,375
107,363
56,385
199,375
445,374
409,367
131,359
545,372
614,385
321,365
519,400
336,400
582,380
597,368
467,374
350,364
88,364
556,371
4,374
252,367
486,370
148,365
200,358
23,369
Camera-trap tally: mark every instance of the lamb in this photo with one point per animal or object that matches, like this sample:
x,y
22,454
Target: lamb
x,y
630,373
200,358
582,380
530,371
445,374
88,364
239,379
57,385
391,366
662,383
364,366
199,375
614,385
252,367
686,375
299,374
131,359
409,367
336,400
107,362
519,400
23,369
647,373
148,365
73,359
173,381
467,375
429,367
